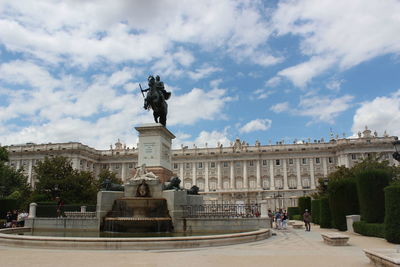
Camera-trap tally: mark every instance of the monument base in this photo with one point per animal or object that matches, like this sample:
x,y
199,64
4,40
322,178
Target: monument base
x,y
163,174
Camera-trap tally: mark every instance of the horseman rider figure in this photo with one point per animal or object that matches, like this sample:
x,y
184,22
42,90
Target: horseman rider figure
x,y
159,108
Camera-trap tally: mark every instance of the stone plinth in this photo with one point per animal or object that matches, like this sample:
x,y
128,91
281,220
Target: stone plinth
x,y
155,149
350,219
335,239
383,257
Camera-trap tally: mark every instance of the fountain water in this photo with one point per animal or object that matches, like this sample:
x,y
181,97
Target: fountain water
x,y
138,214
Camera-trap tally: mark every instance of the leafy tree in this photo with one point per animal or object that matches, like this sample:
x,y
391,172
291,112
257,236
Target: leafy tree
x,y
13,184
56,177
106,174
3,154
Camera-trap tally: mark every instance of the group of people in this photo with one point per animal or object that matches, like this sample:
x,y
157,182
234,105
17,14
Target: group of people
x,y
279,218
15,218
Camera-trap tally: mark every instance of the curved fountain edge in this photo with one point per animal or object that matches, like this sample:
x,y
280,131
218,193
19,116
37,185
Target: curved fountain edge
x,y
151,243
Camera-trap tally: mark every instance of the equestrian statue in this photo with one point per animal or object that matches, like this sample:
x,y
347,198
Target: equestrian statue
x,y
156,99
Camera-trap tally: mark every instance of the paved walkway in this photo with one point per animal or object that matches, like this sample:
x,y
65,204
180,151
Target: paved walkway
x,y
288,248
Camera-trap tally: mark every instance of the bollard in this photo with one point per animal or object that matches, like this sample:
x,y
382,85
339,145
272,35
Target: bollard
x,y
32,210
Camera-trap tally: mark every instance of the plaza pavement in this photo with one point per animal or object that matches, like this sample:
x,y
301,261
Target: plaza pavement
x,y
287,248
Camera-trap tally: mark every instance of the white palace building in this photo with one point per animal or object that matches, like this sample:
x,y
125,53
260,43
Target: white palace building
x,y
240,173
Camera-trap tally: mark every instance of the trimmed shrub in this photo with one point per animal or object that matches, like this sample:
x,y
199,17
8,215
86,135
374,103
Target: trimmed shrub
x,y
392,217
324,213
7,205
298,217
292,211
370,185
369,229
304,203
343,200
315,207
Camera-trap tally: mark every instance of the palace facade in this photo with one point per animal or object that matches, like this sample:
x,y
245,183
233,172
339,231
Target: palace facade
x,y
240,173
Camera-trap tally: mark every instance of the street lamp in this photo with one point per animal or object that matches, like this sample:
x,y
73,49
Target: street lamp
x,y
396,155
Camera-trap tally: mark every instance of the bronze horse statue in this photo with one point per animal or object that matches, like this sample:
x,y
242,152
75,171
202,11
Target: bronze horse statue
x,y
156,100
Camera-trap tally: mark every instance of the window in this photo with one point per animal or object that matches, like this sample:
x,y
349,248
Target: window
x,y
187,165
304,161
237,164
130,165
251,163
277,162
200,165
252,184
225,164
290,161
264,162
330,160
104,166
353,156
213,185
212,164
117,166
175,166
317,160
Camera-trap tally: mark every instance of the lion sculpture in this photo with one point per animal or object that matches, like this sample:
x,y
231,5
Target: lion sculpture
x,y
173,184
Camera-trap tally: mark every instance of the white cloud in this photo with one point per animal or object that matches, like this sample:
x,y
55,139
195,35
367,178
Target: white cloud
x,y
380,114
210,138
334,84
302,73
261,94
203,72
338,33
256,125
197,105
323,108
83,33
280,107
274,81
215,83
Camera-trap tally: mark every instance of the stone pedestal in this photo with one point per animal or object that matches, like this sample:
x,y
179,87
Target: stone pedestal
x,y
350,219
155,149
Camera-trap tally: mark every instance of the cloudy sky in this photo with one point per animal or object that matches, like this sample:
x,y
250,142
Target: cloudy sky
x,y
257,70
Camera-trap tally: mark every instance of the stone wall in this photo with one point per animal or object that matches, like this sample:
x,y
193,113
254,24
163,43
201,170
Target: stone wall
x,y
222,225
85,224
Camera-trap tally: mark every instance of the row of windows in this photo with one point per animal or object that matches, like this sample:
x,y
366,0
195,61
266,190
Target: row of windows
x,y
225,164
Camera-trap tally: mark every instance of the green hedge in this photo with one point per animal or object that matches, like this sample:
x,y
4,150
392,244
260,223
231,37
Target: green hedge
x,y
315,207
7,205
392,217
298,217
370,185
369,229
49,209
304,203
343,200
325,217
293,211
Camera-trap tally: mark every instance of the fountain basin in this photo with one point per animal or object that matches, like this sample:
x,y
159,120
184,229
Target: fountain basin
x,y
10,237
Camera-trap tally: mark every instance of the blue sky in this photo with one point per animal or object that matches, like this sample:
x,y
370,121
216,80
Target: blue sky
x,y
257,70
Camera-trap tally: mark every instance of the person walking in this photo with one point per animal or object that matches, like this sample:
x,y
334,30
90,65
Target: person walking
x,y
307,220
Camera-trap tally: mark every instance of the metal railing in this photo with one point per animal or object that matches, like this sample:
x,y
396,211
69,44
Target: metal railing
x,y
221,211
